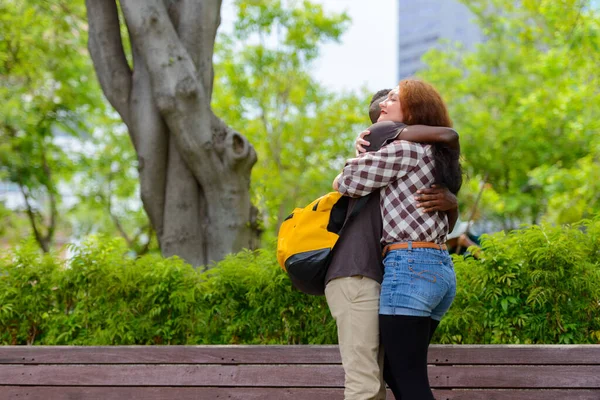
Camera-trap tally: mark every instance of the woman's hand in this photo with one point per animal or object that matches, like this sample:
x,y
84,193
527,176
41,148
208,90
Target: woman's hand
x,y
360,142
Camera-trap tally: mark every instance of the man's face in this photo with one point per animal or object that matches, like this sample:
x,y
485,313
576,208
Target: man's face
x,y
390,107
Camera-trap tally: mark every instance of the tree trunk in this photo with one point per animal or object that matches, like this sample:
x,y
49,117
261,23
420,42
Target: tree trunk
x,y
194,169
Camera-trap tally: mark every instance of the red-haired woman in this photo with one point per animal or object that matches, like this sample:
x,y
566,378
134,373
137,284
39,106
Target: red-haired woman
x,y
419,283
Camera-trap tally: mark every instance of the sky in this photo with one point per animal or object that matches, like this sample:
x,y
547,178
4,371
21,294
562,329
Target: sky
x,y
350,65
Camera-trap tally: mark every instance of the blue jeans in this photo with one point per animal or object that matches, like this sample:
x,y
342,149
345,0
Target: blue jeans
x,y
418,282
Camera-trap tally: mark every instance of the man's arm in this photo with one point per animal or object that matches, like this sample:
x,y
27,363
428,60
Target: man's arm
x,y
436,198
335,182
431,134
418,134
452,218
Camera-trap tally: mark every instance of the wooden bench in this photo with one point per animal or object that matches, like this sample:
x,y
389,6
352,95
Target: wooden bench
x,y
286,372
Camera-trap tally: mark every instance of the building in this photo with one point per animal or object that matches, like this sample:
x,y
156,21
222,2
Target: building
x,y
423,23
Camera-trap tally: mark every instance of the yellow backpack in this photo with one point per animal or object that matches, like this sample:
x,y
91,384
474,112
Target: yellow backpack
x,y
307,238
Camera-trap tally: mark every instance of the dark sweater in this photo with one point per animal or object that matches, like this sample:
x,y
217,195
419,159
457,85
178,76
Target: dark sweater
x,y
358,250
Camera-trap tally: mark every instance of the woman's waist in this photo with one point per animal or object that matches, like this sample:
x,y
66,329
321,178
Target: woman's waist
x,y
404,231
403,221
417,252
415,246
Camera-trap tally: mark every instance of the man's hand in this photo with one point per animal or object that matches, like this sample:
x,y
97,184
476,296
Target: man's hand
x,y
435,199
335,184
360,142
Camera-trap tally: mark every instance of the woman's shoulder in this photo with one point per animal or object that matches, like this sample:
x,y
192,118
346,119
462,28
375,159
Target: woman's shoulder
x,y
406,146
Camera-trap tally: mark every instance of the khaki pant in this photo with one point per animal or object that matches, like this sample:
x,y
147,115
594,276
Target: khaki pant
x,y
354,304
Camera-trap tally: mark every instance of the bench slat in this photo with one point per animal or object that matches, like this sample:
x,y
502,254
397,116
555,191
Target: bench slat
x,y
543,376
438,355
491,394
145,393
515,354
290,376
174,375
170,355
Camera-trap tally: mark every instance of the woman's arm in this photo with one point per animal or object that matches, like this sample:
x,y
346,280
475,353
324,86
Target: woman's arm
x,y
376,169
452,218
431,134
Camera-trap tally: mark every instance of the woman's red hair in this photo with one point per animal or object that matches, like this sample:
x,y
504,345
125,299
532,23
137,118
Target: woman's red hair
x,y
421,104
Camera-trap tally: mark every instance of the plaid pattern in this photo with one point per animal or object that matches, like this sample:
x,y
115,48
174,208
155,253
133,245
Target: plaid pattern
x,y
398,170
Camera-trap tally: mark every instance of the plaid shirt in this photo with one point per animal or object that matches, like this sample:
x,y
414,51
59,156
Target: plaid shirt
x,y
398,170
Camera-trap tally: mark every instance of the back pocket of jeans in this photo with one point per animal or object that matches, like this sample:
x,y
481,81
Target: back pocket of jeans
x,y
427,282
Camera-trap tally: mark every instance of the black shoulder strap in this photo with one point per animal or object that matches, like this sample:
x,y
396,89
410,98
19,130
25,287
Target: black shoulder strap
x,y
360,204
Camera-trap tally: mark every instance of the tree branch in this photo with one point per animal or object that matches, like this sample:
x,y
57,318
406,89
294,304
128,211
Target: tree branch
x,y
113,217
52,200
198,24
31,216
106,48
149,131
170,66
179,95
184,102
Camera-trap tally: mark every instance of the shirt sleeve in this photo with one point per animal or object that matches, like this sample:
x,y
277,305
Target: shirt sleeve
x,y
374,170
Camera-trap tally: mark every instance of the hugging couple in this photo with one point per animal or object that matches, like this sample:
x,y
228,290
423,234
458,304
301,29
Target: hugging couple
x,y
391,279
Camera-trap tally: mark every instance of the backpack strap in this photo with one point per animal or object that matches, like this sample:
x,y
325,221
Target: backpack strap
x,y
360,204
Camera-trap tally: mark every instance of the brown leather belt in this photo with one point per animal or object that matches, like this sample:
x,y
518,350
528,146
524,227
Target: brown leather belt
x,y
415,245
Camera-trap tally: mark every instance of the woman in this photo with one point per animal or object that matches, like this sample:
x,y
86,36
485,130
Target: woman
x,y
419,283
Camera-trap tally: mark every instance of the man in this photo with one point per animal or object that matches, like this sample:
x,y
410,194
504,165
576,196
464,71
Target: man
x,y
355,273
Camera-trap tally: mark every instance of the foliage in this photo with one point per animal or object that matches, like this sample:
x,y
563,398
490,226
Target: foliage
x,y
43,97
526,104
247,298
58,142
302,132
536,285
13,226
103,297
572,193
107,188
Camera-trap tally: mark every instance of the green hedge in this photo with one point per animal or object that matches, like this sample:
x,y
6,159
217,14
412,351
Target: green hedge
x,y
103,297
536,285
